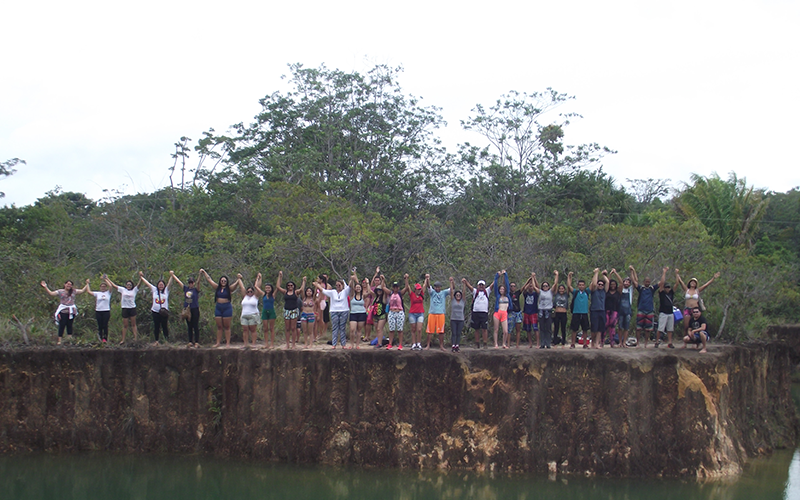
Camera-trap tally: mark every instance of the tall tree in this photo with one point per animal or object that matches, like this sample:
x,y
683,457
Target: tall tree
x,y
7,168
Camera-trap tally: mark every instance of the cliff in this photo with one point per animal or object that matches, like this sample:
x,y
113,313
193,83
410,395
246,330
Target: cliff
x,y
616,412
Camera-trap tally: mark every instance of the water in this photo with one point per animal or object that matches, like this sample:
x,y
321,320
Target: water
x,y
121,477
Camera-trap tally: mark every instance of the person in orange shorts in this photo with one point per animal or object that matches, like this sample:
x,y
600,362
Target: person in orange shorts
x,y
438,298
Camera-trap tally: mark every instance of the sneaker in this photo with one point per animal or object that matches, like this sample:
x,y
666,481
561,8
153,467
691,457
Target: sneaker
x,y
104,341
671,346
389,347
658,342
458,349
400,347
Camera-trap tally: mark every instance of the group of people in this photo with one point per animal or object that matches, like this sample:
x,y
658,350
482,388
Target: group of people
x,y
602,312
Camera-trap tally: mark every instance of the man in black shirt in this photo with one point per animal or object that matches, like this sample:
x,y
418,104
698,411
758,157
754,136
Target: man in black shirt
x,y
698,330
666,318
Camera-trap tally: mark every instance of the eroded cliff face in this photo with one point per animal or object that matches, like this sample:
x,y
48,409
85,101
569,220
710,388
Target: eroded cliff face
x,y
620,412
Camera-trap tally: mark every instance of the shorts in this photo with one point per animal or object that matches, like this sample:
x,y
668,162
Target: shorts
x,y
598,321
501,316
249,319
414,318
697,338
396,320
268,314
291,314
666,322
530,322
358,317
435,323
514,318
379,314
223,310
580,321
644,320
128,312
687,313
480,320
624,321
308,317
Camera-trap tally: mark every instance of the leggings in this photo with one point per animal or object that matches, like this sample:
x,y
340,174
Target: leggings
x,y
611,327
102,323
545,328
193,323
64,321
160,321
339,327
456,327
560,321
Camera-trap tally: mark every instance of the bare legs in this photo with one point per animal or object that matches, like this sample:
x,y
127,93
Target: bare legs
x,y
132,322
268,325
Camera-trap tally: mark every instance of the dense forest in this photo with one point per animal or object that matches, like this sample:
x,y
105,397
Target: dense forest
x,y
346,170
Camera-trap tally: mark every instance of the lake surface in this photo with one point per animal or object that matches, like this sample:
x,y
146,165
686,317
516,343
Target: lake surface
x,y
120,477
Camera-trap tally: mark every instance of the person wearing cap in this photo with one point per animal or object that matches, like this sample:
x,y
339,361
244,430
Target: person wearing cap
x,y
416,312
191,296
438,299
480,310
396,315
597,307
666,315
691,296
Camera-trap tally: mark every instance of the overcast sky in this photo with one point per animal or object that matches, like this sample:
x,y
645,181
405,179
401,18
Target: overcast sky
x,y
93,95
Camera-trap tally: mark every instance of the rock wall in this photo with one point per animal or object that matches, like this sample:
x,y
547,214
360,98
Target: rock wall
x,y
622,413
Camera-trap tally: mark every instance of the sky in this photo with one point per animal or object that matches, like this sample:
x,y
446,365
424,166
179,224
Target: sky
x,y
93,95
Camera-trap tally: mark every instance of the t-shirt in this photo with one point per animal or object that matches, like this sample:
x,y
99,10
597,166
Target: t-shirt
x,y
128,300
190,297
560,300
665,301
438,300
613,301
580,302
598,300
160,299
515,301
417,306
697,323
66,300
531,303
480,300
457,309
646,294
103,301
546,299
249,305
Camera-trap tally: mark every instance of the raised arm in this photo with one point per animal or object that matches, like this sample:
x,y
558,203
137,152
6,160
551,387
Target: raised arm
x,y
170,280
257,286
569,282
593,284
615,273
111,283
508,283
385,289
238,284
278,283
427,285
177,280
49,292
84,289
466,284
535,283
555,280
679,280
407,287
208,278
663,279
634,277
716,275
604,278
141,276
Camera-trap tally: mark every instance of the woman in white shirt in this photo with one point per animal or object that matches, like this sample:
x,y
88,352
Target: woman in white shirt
x,y
340,310
250,314
160,308
102,309
128,303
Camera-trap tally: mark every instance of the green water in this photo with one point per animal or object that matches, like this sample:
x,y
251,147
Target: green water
x,y
119,477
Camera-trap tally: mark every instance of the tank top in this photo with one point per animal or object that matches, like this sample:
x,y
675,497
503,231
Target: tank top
x,y
395,302
357,305
249,305
290,302
268,303
224,293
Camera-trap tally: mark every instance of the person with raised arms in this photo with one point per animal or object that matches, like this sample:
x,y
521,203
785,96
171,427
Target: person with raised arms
x,y
308,314
501,305
457,304
436,311
358,309
545,310
160,307
416,312
530,312
479,318
597,308
514,311
613,301
102,309
191,298
625,307
66,310
666,314
692,296
250,315
373,285
268,316
223,309
396,315
291,309
128,305
580,311
340,310
645,306
560,304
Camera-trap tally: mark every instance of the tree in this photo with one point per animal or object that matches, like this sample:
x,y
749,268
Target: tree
x,y
354,136
730,210
646,191
7,168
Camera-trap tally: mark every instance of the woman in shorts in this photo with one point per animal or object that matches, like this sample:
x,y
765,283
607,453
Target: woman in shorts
x,y
501,305
223,309
691,296
396,315
308,315
379,309
128,303
250,315
358,310
416,312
